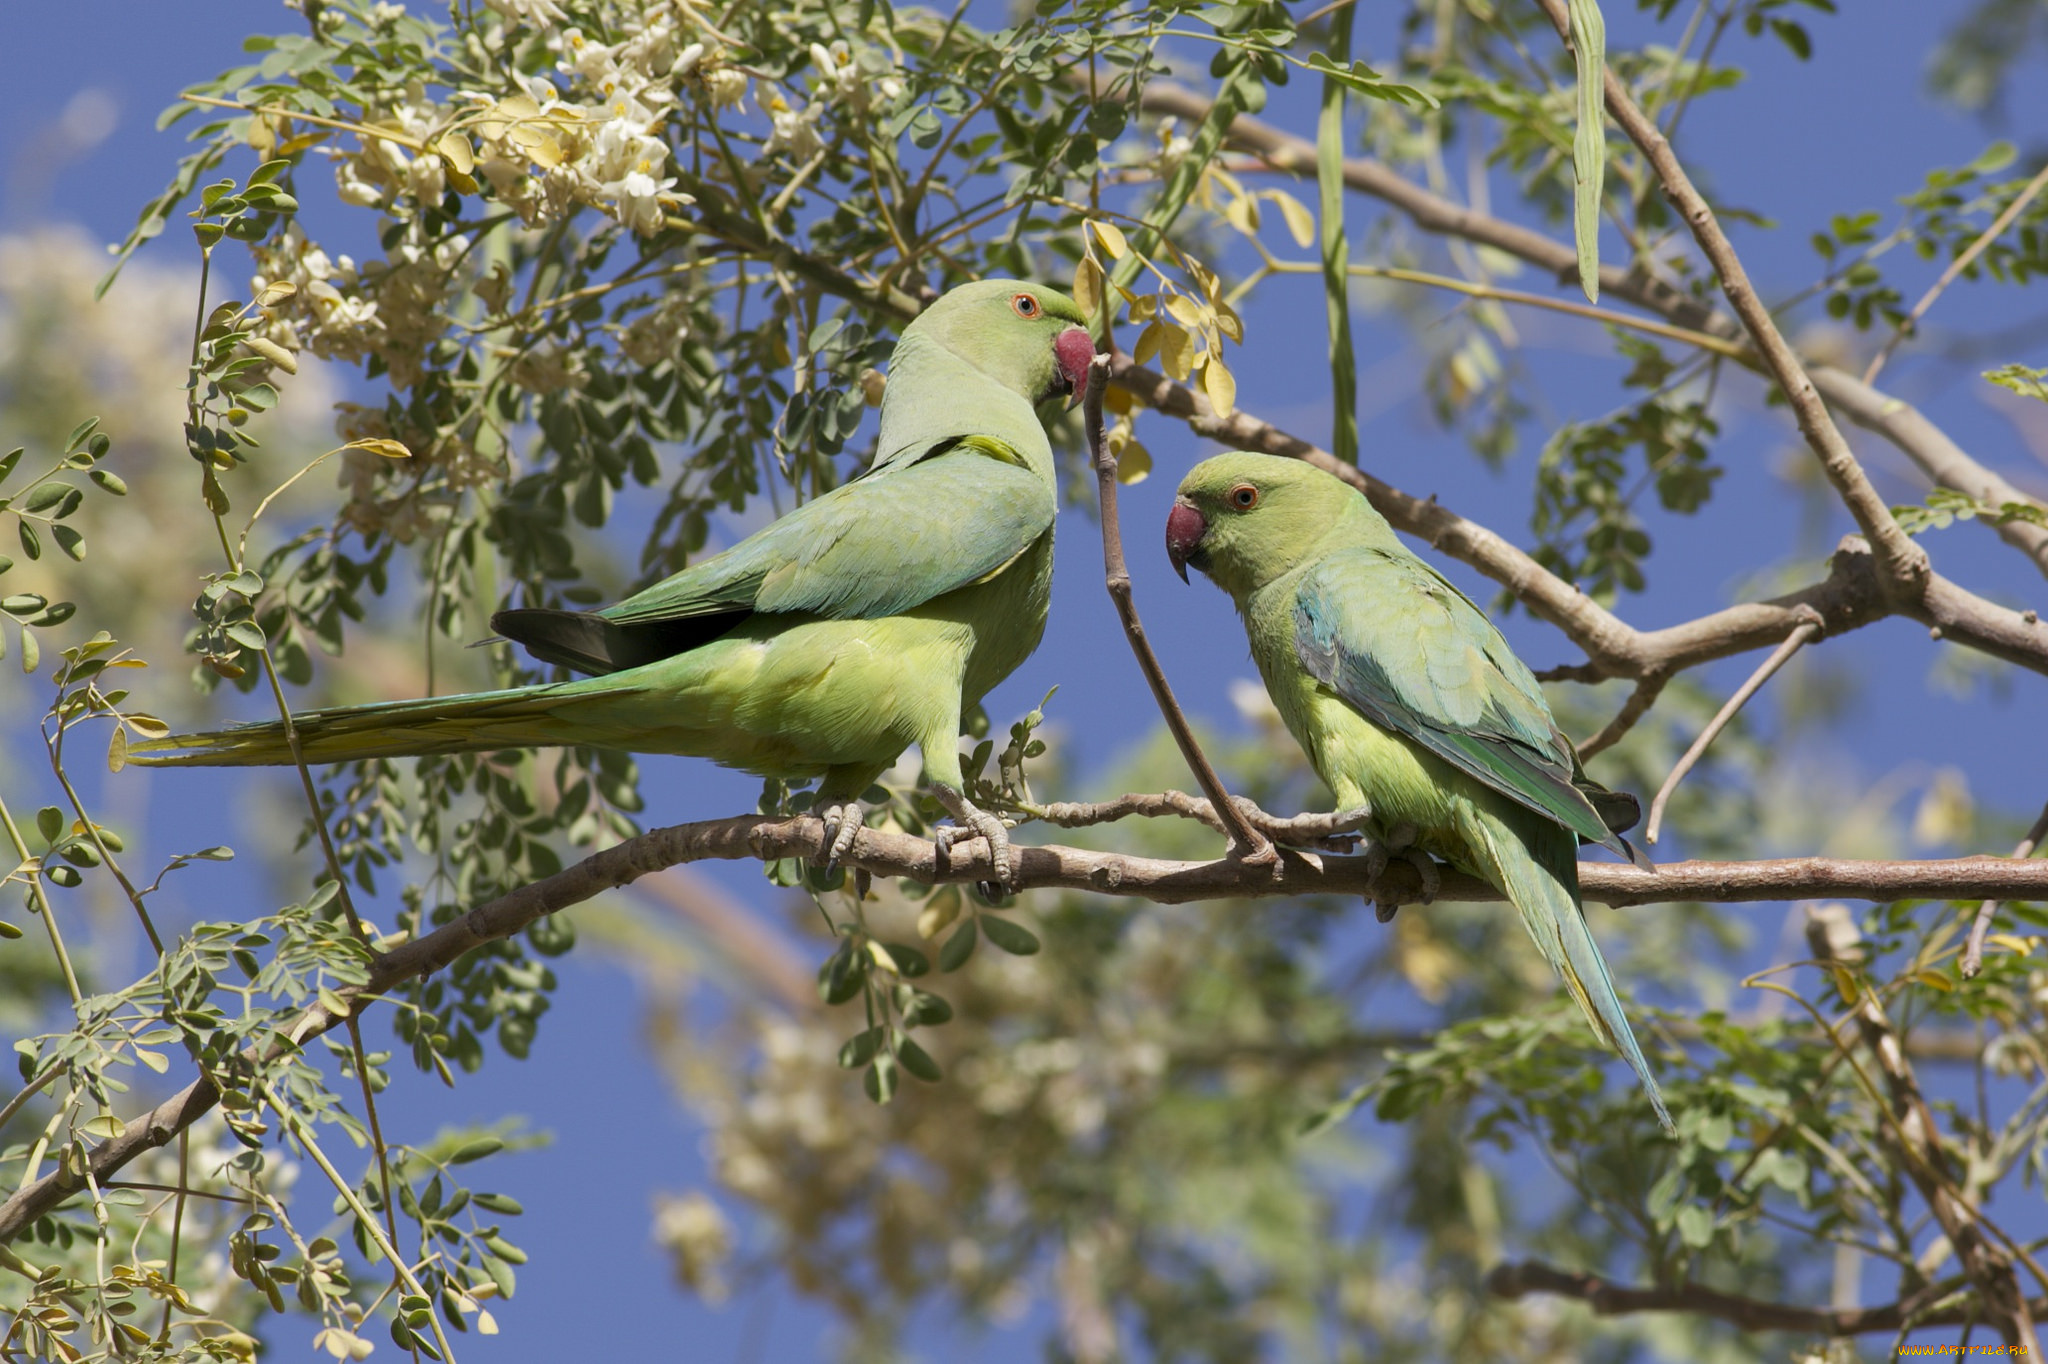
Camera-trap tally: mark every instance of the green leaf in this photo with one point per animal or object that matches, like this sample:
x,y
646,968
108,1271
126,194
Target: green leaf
x,y
1010,936
959,947
918,1061
476,1150
1589,141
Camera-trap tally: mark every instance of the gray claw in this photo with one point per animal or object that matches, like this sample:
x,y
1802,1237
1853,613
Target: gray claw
x,y
970,821
843,824
1425,868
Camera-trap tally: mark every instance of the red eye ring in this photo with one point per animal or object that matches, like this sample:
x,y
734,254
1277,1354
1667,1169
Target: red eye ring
x,y
1243,497
1024,305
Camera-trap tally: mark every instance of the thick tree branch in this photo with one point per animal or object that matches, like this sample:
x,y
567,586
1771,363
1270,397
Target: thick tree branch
x,y
1610,1299
886,853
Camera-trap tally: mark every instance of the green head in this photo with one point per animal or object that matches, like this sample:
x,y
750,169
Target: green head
x,y
1245,519
1028,338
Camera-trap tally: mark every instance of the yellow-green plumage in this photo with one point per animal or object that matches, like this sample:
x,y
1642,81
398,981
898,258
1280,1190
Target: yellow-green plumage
x,y
823,646
1407,699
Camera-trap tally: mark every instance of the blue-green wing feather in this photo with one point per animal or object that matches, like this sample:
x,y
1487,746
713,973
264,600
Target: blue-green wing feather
x,y
1416,657
878,546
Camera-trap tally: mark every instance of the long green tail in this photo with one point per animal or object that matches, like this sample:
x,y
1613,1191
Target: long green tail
x,y
1537,868
479,722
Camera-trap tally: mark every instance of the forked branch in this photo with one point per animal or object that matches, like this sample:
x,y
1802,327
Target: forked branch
x,y
1248,845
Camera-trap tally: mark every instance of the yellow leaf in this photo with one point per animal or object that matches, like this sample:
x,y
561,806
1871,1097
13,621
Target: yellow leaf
x,y
105,1127
1301,224
1133,462
1229,323
148,726
1112,238
1144,308
519,106
1845,983
486,1324
1220,386
155,1060
1185,311
1119,401
2012,942
379,445
274,294
1148,342
456,151
1088,286
1176,352
1242,213
274,353
117,750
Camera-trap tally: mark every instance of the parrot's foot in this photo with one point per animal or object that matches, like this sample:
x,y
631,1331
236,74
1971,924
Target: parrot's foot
x,y
969,822
1425,871
1400,842
843,823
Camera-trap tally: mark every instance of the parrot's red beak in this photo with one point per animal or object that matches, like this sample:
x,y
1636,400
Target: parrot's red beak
x,y
1184,530
1072,350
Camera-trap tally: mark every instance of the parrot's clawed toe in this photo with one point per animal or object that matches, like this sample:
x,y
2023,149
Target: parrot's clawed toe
x,y
843,823
1425,871
971,821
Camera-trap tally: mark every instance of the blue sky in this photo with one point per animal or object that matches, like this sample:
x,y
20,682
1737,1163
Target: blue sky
x,y
1798,143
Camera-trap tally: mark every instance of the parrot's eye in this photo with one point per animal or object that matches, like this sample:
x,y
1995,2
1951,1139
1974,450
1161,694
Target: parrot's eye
x,y
1025,304
1243,497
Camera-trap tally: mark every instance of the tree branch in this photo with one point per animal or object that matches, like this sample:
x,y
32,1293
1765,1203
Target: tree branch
x,y
1519,1279
886,853
1903,563
1764,672
1332,832
1914,1133
1920,440
1980,927
1632,710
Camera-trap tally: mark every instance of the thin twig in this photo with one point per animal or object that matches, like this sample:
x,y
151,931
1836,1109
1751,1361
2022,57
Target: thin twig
x,y
1635,708
1980,928
1331,832
1805,631
1955,268
1248,845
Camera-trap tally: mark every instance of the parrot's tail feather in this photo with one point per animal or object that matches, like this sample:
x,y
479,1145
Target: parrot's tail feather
x,y
1545,890
480,722
588,642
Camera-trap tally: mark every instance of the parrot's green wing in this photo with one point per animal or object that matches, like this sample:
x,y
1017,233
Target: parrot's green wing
x,y
878,546
1416,657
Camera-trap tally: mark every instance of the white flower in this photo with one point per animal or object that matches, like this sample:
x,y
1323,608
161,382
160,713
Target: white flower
x,y
640,203
795,131
726,87
541,13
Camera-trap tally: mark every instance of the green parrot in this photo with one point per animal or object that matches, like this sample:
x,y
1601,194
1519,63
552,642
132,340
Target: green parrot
x,y
1406,699
864,621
